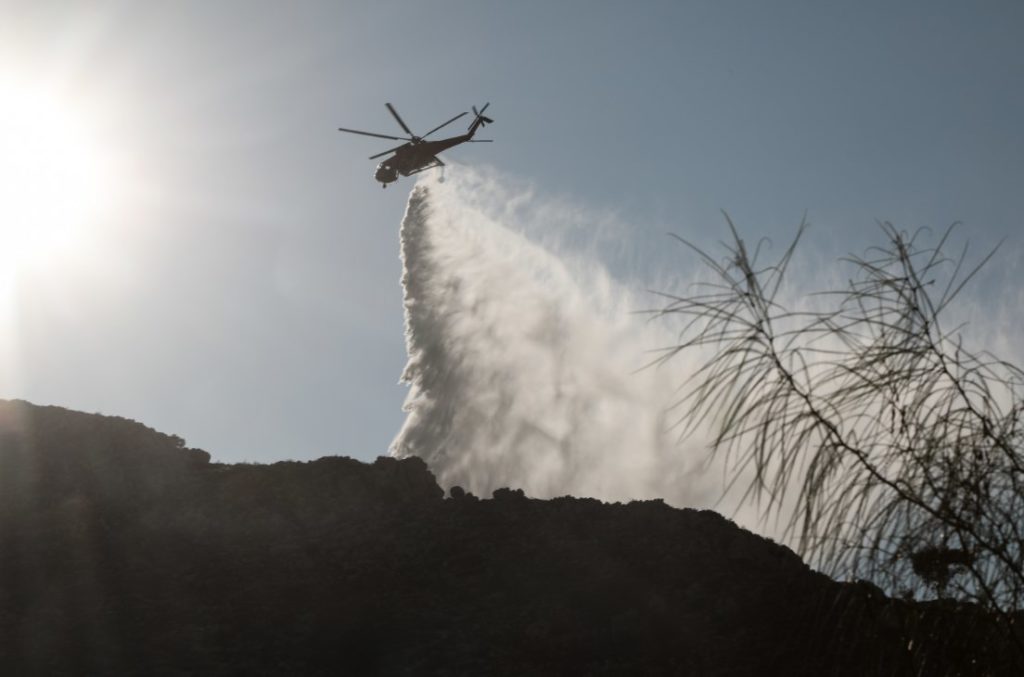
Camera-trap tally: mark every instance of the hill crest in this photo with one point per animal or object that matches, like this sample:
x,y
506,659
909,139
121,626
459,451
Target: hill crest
x,y
122,551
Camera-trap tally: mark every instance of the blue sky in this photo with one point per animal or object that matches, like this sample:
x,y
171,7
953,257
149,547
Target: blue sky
x,y
241,287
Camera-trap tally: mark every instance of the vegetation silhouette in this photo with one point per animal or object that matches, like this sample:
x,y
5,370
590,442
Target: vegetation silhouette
x,y
890,449
123,552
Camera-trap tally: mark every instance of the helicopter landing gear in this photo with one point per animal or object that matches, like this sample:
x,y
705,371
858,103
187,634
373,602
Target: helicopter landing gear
x,y
383,185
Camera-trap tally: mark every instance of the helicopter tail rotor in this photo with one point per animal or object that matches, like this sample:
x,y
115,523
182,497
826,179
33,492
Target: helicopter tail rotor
x,y
479,119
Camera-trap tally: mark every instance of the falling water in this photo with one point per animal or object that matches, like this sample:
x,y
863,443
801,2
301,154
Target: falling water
x,y
525,365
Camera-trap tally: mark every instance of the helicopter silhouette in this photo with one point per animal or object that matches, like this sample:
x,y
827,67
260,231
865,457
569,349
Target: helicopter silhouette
x,y
417,154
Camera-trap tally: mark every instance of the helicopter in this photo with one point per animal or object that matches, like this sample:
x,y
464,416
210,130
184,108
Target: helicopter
x,y
417,154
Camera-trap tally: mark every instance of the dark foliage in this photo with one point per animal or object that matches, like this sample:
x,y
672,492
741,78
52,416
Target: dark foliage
x,y
123,552
892,448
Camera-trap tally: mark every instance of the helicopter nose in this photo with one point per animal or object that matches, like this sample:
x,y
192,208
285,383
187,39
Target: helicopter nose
x,y
386,173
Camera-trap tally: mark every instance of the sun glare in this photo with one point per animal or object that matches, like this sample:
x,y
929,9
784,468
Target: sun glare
x,y
53,177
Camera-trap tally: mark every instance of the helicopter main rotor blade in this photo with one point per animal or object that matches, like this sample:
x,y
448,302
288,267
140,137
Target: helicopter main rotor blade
x,y
443,125
374,157
400,120
481,140
380,136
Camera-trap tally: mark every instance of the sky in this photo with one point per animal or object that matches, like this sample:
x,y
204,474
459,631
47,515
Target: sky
x,y
223,266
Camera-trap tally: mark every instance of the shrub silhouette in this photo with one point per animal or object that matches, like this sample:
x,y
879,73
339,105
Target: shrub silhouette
x,y
890,449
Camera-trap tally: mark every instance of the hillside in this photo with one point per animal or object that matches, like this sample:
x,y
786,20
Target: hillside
x,y
124,552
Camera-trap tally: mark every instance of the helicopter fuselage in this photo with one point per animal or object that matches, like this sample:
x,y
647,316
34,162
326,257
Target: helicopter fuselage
x,y
415,157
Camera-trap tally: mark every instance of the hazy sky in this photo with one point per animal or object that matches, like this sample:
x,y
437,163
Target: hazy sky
x,y
232,273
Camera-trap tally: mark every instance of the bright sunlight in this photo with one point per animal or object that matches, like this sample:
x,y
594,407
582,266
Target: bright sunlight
x,y
53,177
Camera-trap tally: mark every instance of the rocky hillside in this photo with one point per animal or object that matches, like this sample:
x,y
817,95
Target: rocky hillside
x,y
124,552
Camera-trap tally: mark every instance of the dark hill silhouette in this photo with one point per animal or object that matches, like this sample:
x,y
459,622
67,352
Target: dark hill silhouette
x,y
124,552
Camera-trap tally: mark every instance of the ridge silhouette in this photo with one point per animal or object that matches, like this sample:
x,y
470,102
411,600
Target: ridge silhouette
x,y
122,551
